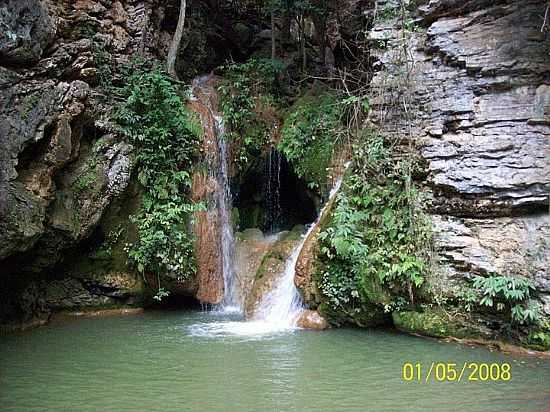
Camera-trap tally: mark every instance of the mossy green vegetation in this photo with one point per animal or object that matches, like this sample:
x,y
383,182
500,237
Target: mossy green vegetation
x,y
539,337
510,295
249,94
29,103
375,247
436,322
311,131
165,135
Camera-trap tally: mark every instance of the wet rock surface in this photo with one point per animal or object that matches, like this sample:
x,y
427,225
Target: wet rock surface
x,y
208,223
438,323
308,264
270,270
311,319
251,246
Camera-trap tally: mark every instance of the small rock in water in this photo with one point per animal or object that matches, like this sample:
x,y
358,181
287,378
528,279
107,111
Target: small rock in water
x,y
311,319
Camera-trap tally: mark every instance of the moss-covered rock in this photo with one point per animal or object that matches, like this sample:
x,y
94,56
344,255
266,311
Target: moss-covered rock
x,y
438,323
271,267
364,316
309,135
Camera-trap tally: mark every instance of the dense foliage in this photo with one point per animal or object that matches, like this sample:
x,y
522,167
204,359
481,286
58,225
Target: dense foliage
x,y
374,248
310,135
511,295
165,135
248,97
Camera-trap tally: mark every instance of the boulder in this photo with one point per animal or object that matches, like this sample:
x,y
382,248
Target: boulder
x,y
311,319
437,323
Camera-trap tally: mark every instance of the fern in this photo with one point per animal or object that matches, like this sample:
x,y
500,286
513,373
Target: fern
x,y
513,294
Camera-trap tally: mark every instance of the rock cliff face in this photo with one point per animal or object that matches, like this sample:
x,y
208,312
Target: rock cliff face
x,y
63,173
480,86
480,117
207,227
478,93
485,132
66,178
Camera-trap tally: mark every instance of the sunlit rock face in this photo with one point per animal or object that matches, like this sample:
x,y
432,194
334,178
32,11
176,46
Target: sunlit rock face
x,y
482,126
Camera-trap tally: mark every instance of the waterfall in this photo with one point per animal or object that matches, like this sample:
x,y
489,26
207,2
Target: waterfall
x,y
281,307
219,199
272,190
232,298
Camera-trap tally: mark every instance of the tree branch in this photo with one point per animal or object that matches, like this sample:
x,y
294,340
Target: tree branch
x,y
176,40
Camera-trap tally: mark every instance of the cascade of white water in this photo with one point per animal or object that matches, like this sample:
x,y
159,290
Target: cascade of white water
x,y
272,188
232,299
281,307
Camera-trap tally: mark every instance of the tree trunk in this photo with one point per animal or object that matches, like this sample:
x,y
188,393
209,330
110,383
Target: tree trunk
x,y
303,43
320,23
273,39
285,31
176,40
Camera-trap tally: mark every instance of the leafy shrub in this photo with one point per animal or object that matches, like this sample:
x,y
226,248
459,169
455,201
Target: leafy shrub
x,y
104,63
374,248
309,136
155,120
247,90
509,294
539,339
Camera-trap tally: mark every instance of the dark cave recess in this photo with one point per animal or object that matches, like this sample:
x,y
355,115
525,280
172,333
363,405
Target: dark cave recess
x,y
272,198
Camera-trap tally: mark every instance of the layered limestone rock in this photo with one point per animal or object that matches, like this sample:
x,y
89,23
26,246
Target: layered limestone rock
x,y
482,107
480,117
474,77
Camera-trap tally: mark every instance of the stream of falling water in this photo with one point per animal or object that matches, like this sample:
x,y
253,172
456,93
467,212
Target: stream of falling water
x,y
232,298
272,190
218,168
279,309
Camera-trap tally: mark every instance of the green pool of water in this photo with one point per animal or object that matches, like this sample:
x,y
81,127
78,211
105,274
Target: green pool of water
x,y
172,361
